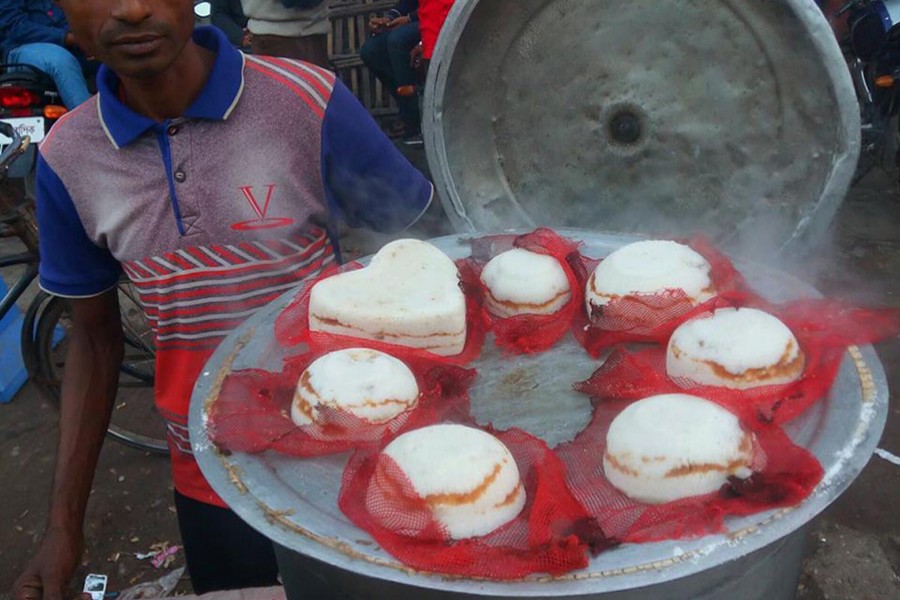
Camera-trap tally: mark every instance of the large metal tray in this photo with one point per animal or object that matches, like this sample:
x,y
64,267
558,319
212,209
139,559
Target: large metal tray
x,y
293,501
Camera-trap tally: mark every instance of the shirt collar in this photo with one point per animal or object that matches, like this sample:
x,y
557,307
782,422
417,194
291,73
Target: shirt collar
x,y
216,101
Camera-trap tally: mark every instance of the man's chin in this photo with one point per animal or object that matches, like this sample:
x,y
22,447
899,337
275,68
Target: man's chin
x,y
139,67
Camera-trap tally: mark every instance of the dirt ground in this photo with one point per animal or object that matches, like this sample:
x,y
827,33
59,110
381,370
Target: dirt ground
x,y
854,550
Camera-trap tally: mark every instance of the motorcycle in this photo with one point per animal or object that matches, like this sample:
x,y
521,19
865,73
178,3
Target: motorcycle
x,y
30,103
869,34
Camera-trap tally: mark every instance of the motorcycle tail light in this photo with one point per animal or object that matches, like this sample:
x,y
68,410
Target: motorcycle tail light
x,y
54,111
884,81
18,97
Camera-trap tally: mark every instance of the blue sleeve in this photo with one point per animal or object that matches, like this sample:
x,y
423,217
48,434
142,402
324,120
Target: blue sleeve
x,y
71,264
368,182
17,28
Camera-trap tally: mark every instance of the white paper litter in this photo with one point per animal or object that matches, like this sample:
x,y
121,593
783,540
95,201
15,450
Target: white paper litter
x,y
891,458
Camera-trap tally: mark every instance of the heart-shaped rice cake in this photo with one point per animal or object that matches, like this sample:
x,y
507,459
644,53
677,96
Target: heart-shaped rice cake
x,y
408,295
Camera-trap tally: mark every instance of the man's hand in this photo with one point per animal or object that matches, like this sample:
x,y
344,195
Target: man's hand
x,y
377,24
48,574
399,22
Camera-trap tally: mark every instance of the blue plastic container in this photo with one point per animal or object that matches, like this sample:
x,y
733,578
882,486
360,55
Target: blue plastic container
x,y
12,370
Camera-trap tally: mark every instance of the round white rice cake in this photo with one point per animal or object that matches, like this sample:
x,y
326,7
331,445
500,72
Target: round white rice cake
x,y
675,446
368,384
649,267
468,478
522,282
735,348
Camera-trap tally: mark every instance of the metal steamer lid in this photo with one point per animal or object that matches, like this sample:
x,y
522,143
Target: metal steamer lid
x,y
734,118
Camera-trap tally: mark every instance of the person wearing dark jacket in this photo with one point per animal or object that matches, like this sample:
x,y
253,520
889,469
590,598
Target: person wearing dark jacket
x,y
228,16
36,33
388,54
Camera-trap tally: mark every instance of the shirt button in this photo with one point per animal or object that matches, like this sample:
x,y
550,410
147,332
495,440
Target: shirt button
x,y
172,130
180,176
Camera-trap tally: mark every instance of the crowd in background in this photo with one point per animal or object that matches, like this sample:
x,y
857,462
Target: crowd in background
x,y
401,42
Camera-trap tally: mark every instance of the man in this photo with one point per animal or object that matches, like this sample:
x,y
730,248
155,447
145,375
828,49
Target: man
x,y
212,180
35,32
388,54
290,28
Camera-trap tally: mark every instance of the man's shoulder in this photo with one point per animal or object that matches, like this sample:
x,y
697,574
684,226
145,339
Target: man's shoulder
x,y
296,82
77,131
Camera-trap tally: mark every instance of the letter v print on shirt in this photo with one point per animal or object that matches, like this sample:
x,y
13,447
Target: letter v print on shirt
x,y
262,220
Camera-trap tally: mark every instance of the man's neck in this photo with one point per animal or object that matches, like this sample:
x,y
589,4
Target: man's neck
x,y
172,92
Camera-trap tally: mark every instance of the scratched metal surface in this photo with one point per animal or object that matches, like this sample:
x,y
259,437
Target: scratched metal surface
x,y
294,501
747,126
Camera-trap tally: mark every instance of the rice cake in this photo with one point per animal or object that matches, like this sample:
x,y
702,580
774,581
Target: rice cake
x,y
408,295
367,384
649,267
520,282
673,446
734,348
468,478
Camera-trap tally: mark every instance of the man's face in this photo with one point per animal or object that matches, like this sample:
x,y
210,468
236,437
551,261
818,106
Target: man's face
x,y
135,38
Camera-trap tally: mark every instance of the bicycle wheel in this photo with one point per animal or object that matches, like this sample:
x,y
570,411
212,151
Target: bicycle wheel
x,y
135,421
28,339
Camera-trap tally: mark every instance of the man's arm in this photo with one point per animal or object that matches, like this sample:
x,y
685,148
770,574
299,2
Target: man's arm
x,y
73,266
368,182
18,29
89,387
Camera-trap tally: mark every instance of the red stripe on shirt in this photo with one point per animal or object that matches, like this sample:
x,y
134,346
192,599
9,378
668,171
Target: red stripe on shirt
x,y
255,251
202,256
305,75
229,289
203,275
291,86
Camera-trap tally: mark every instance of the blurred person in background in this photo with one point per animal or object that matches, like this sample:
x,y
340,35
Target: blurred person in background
x,y
432,14
228,15
36,33
389,55
289,28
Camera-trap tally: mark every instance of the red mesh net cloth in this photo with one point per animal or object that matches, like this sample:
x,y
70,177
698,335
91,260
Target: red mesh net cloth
x,y
527,333
784,474
292,328
553,533
653,317
253,410
823,328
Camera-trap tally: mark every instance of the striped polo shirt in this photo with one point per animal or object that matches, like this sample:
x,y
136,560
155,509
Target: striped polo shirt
x,y
213,214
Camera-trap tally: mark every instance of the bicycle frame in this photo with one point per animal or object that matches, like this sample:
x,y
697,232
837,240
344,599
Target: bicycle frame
x,y
38,329
13,224
15,292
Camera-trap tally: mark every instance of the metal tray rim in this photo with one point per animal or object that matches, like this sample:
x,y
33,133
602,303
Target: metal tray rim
x,y
687,557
